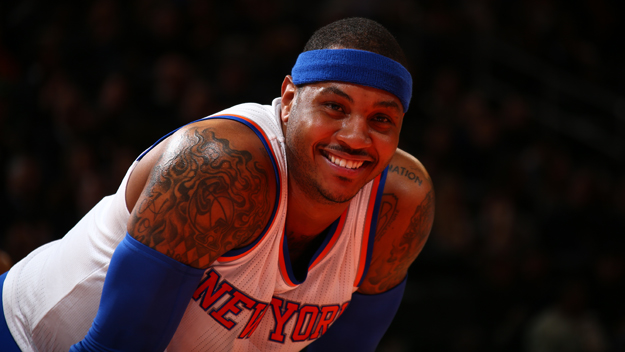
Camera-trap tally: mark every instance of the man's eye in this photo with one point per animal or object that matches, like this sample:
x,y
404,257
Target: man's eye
x,y
382,118
334,106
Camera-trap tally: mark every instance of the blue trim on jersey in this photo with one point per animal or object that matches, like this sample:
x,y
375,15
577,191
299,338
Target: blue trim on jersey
x,y
374,224
276,171
287,257
6,339
158,141
324,244
169,134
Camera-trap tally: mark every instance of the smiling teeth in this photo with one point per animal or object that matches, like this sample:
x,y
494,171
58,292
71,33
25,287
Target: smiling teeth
x,y
346,163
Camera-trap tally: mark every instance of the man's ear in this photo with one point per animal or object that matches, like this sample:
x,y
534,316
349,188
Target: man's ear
x,y
288,98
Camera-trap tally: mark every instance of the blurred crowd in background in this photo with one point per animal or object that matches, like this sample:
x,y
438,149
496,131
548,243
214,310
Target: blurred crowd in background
x,y
517,113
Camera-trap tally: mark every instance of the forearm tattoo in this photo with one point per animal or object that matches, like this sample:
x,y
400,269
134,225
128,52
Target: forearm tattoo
x,y
203,201
405,248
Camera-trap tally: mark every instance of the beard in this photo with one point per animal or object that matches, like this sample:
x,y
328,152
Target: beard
x,y
303,173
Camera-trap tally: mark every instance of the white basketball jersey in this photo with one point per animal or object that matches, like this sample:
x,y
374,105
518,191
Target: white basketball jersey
x,y
248,300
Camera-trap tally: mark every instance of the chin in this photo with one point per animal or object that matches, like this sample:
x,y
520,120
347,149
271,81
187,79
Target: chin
x,y
337,197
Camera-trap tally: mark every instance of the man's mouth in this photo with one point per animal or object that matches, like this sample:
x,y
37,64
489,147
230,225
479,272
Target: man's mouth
x,y
348,164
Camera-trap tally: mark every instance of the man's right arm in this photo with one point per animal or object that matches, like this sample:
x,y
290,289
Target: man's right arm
x,y
209,190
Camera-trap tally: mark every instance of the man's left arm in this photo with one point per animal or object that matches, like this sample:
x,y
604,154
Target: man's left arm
x,y
404,223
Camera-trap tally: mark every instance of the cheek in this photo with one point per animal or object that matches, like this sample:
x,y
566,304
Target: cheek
x,y
306,128
387,146
298,138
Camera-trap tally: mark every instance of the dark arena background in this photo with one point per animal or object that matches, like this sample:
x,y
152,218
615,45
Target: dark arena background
x,y
518,113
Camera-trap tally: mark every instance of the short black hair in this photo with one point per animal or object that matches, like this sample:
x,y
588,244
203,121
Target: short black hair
x,y
357,33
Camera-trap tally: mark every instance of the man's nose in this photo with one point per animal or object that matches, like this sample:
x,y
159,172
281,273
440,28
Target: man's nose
x,y
354,132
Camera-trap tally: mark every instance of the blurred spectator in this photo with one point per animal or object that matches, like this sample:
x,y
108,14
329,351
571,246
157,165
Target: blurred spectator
x,y
5,262
24,185
568,325
24,236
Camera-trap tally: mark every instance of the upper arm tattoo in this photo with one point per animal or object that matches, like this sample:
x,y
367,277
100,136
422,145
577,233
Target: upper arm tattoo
x,y
388,213
203,201
391,268
407,173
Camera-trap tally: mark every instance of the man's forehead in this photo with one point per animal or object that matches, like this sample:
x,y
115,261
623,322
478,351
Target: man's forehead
x,y
346,90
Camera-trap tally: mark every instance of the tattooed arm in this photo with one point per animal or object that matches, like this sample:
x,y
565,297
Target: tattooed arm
x,y
404,223
206,190
196,195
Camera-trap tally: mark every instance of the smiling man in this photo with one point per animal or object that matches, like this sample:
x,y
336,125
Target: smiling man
x,y
260,228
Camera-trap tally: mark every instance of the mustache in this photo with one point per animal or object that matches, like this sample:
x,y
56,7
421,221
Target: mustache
x,y
347,150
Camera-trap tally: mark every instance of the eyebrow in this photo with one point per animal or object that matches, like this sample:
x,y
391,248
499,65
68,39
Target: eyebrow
x,y
389,104
335,90
385,104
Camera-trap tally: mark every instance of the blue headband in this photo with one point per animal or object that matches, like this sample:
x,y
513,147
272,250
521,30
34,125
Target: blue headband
x,y
354,66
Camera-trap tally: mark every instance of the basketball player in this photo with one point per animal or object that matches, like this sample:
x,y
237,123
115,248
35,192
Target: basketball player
x,y
260,228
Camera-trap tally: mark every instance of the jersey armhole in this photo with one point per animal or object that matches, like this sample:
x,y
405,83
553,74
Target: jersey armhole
x,y
241,252
371,222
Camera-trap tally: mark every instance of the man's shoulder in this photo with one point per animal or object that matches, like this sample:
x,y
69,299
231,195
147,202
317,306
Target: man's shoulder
x,y
213,141
220,172
404,223
407,179
239,121
408,193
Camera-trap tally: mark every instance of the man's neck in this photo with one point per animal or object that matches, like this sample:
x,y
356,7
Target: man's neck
x,y
307,218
